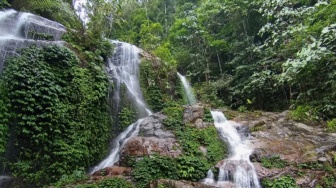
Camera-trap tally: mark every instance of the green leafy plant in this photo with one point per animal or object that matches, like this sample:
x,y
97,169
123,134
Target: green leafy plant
x,y
76,176
273,161
242,108
126,117
282,181
115,183
332,125
154,167
304,114
191,168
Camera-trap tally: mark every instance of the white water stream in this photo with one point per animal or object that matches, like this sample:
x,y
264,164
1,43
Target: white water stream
x,y
118,143
123,68
238,167
187,90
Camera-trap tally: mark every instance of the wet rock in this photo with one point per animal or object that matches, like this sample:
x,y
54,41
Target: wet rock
x,y
263,172
193,113
178,184
113,171
37,24
152,127
294,142
322,159
10,182
20,30
145,146
257,154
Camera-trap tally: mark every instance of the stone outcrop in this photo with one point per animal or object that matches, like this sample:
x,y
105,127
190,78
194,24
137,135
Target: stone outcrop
x,y
194,116
294,142
151,139
19,30
113,171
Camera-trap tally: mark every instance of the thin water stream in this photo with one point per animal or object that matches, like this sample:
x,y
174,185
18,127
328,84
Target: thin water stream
x,y
187,90
238,167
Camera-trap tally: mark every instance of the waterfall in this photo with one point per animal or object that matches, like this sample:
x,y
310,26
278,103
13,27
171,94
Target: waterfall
x,y
118,143
238,167
187,90
123,68
21,29
80,8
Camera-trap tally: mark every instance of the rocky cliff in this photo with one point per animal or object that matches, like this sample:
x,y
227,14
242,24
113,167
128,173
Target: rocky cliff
x,y
19,30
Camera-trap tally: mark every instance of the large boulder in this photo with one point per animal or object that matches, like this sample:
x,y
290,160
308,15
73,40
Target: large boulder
x,y
145,146
152,139
113,171
152,127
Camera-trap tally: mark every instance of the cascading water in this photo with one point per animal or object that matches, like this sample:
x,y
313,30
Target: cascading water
x,y
123,68
20,30
81,11
237,168
118,143
187,90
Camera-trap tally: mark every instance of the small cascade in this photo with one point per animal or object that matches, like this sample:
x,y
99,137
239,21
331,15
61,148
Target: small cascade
x,y
117,145
187,90
210,179
238,167
123,69
21,29
80,7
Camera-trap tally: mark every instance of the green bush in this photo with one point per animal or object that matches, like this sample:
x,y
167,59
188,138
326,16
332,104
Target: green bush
x,y
86,186
332,125
4,4
174,112
273,162
282,181
192,168
154,167
159,84
115,183
77,175
126,117
306,114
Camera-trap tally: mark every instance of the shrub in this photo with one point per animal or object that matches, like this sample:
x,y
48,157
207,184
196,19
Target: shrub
x,y
273,162
155,167
304,114
332,125
191,168
76,176
282,181
115,183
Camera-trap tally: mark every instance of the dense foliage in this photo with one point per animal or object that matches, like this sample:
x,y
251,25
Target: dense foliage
x,y
193,164
52,114
267,55
160,85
